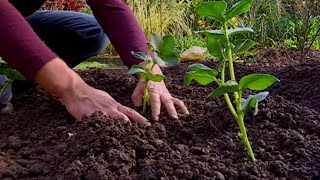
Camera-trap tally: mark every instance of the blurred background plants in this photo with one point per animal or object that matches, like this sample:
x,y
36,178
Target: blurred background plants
x,y
287,24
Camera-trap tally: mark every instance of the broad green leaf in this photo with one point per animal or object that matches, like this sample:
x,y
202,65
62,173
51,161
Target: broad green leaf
x,y
201,68
240,30
257,81
242,46
239,8
200,73
215,31
168,52
138,70
228,87
12,74
155,40
214,10
139,55
156,77
252,101
216,44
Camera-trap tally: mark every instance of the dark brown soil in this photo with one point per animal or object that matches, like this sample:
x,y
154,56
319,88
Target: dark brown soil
x,y
41,141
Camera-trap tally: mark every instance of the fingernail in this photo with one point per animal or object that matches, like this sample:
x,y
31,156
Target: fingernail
x,y
156,118
175,116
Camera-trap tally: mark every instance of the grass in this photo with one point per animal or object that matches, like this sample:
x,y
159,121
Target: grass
x,y
96,62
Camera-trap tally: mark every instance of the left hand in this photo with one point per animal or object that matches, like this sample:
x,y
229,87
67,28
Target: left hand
x,y
159,94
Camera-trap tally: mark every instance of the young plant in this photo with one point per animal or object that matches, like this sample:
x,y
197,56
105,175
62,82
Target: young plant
x,y
221,45
161,51
11,74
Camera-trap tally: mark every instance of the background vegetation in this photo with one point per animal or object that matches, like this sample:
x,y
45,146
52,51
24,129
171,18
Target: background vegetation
x,y
290,24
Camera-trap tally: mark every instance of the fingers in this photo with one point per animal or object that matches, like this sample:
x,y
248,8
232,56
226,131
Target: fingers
x,y
133,115
155,103
167,101
181,105
137,97
117,114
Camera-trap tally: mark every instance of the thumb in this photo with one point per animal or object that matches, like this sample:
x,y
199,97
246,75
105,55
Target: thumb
x,y
137,96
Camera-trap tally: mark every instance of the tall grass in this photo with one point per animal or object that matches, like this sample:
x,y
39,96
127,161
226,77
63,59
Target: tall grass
x,y
161,16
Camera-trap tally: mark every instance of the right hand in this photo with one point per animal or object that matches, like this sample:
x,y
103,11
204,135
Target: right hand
x,y
88,100
79,98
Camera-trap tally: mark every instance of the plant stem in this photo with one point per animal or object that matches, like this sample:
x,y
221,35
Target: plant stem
x,y
145,96
4,87
238,115
244,136
229,103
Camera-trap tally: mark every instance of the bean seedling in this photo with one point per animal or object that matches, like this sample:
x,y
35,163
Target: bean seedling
x,y
161,51
11,74
224,45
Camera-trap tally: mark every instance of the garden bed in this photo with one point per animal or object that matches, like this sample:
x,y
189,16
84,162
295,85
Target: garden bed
x,y
41,141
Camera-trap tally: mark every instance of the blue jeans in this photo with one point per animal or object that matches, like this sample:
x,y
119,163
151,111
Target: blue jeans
x,y
73,36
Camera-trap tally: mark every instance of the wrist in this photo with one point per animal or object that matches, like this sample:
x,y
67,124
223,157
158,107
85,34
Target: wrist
x,y
60,80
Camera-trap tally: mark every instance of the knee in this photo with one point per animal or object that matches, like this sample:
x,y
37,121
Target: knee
x,y
94,38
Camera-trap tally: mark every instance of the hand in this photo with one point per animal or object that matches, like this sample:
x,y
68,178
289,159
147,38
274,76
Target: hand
x,y
159,94
92,100
79,98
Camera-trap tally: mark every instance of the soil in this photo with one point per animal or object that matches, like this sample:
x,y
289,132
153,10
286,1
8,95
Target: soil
x,y
42,141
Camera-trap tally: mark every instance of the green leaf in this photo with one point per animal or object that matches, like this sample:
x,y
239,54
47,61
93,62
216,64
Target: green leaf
x,y
139,55
240,30
214,10
216,44
252,102
215,31
200,73
239,8
165,49
156,77
139,70
228,87
242,46
168,51
257,81
11,73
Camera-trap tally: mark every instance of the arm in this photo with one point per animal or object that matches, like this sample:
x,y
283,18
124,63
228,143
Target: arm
x,y
25,51
19,45
123,29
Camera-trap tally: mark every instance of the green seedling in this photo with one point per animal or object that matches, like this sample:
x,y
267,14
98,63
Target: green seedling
x,y
161,51
223,44
11,74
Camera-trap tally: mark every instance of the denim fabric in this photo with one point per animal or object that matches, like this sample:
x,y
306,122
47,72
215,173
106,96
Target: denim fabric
x,y
74,36
7,94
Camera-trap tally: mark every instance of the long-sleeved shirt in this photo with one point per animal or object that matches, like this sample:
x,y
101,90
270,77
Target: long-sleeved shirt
x,y
24,50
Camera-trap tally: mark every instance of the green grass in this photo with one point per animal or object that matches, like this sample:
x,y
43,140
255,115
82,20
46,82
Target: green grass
x,y
99,63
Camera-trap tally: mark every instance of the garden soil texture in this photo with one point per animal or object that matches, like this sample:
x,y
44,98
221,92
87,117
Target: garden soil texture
x,y
42,141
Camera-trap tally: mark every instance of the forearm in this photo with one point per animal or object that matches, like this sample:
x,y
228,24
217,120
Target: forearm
x,y
58,79
19,44
122,28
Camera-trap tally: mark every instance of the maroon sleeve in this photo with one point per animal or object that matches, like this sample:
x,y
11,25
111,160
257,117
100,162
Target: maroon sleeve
x,y
122,28
19,45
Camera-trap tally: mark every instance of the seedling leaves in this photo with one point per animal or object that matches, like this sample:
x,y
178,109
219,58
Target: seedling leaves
x,y
257,81
201,74
216,45
240,30
165,49
242,45
239,8
228,87
214,10
251,103
10,73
